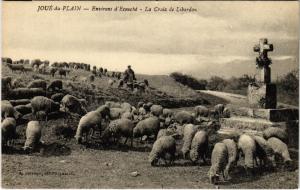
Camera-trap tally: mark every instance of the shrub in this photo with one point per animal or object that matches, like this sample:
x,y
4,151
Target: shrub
x,y
189,81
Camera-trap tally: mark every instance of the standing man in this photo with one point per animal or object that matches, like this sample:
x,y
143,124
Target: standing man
x,y
129,77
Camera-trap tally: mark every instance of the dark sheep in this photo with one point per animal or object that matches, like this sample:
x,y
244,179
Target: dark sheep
x,y
26,93
57,97
24,109
55,85
19,102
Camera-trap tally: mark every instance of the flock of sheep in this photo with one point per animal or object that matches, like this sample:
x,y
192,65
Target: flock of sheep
x,y
145,121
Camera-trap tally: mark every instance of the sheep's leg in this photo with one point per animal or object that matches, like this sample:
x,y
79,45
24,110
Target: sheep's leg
x,y
131,143
126,140
204,161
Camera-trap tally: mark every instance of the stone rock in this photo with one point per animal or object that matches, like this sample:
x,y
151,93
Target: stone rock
x,y
262,96
134,174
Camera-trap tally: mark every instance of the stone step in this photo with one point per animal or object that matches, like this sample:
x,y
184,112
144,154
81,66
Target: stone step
x,y
248,123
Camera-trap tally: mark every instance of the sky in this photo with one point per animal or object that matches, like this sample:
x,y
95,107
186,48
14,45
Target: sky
x,y
216,35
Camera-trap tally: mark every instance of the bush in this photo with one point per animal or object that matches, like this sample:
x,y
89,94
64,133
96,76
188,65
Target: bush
x,y
189,81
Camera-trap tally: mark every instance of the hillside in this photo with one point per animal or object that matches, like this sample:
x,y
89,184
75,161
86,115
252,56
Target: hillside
x,y
163,89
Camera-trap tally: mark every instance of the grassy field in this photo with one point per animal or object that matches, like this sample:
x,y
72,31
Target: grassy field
x,y
62,163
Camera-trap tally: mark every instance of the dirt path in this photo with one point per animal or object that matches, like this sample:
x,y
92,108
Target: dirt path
x,y
237,99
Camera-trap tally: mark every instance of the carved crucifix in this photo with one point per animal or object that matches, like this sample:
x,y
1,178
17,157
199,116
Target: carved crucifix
x,y
263,61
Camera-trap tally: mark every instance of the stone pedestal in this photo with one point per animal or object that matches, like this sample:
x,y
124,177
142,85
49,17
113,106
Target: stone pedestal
x,y
262,96
255,121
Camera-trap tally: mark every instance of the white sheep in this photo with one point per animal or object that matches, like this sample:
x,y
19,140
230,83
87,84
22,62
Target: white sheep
x,y
33,135
199,146
232,155
183,117
156,110
126,106
163,148
189,132
247,145
128,115
264,152
112,104
117,128
165,132
92,120
8,130
276,132
167,113
41,103
219,159
116,113
280,149
148,126
7,110
201,111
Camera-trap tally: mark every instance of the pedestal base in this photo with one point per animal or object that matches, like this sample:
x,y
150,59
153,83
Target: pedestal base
x,y
262,96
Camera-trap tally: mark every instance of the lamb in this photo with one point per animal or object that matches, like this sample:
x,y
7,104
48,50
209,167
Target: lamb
x,y
183,117
276,132
264,152
55,84
247,145
8,129
57,97
232,155
156,110
33,135
120,127
199,146
163,148
19,102
28,93
167,113
38,84
74,105
92,120
24,109
201,111
148,126
219,158
41,103
280,149
189,132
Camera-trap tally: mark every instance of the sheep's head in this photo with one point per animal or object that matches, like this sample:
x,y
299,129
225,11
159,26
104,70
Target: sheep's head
x,y
78,139
153,159
213,176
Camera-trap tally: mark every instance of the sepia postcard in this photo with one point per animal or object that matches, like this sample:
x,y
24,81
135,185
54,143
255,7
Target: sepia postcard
x,y
150,94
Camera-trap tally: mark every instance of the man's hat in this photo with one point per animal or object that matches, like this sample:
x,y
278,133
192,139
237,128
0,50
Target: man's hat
x,y
129,66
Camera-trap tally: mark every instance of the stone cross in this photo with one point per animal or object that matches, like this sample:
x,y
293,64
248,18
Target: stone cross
x,y
262,61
